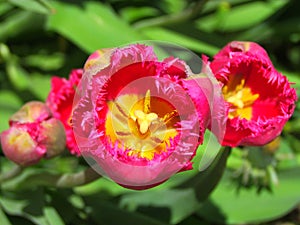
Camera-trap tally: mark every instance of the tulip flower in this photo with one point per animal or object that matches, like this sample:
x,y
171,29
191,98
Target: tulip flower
x,y
135,119
60,101
260,100
33,135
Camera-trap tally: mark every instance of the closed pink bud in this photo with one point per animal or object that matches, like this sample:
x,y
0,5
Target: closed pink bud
x,y
20,147
53,137
33,134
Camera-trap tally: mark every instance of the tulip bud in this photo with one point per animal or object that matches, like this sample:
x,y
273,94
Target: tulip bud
x,y
54,137
33,111
33,134
20,147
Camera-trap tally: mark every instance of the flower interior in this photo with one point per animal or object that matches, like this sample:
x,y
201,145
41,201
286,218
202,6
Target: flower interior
x,y
141,125
240,97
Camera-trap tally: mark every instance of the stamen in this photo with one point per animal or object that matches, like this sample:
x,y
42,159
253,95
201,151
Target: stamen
x,y
147,101
170,116
156,140
121,110
121,133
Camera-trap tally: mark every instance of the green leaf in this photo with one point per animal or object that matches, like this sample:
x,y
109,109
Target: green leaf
x,y
174,6
194,220
135,13
20,23
26,204
285,154
241,17
104,212
37,6
171,199
5,7
3,218
93,27
162,34
9,104
229,206
27,180
52,216
293,142
17,75
64,211
45,61
40,85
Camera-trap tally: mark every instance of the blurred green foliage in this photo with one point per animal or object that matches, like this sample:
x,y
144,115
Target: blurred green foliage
x,y
42,38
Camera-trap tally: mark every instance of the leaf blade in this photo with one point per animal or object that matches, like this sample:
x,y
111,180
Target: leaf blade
x,y
94,27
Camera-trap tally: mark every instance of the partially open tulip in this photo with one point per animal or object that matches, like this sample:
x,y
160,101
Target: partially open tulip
x,y
259,99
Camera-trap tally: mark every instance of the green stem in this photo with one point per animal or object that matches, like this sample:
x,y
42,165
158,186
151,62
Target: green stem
x,y
53,180
187,14
77,179
15,171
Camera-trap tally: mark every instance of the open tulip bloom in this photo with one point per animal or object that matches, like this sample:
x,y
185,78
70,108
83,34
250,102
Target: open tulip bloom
x,y
139,120
259,99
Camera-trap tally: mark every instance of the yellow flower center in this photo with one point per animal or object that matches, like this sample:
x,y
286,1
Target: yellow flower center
x,y
143,125
240,97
